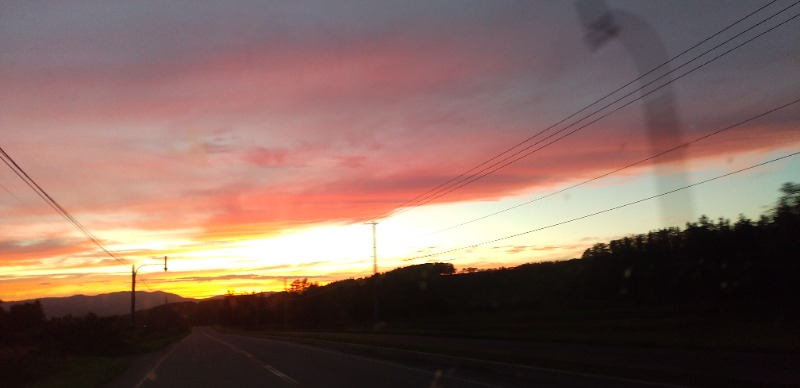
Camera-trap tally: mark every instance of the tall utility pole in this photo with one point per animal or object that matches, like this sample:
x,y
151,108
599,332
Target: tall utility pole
x,y
134,271
376,304
374,248
285,305
133,295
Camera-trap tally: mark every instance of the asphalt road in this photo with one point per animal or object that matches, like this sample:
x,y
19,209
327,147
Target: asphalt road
x,y
207,358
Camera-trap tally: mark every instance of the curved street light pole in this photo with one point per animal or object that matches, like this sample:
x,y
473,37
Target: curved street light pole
x,y
134,271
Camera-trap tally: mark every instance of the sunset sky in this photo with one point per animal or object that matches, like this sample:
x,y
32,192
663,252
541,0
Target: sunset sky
x,y
252,141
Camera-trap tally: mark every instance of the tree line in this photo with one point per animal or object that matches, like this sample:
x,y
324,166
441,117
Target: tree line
x,y
30,343
743,269
717,271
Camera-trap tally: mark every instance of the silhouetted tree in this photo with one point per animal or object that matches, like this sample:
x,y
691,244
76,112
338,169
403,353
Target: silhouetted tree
x,y
716,268
165,318
88,335
4,325
26,316
300,286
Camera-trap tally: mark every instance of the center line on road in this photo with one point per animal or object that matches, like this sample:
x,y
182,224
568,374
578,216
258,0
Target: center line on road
x,y
280,374
254,359
436,374
609,379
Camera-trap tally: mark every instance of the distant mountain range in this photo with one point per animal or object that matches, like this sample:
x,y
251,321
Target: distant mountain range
x,y
116,303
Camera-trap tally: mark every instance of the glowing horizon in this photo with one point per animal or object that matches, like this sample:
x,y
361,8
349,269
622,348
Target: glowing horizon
x,y
250,144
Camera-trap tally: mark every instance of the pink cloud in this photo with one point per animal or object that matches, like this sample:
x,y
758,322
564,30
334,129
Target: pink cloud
x,y
324,124
27,252
266,157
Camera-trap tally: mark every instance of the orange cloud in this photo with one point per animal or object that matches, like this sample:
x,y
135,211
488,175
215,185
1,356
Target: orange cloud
x,y
271,121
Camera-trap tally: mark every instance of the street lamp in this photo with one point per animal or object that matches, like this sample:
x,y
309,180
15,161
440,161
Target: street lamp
x,y
134,271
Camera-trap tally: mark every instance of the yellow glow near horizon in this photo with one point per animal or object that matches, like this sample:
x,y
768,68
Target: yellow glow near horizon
x,y
329,252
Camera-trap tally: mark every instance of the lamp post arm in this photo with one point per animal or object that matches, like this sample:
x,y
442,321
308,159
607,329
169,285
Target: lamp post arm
x,y
134,271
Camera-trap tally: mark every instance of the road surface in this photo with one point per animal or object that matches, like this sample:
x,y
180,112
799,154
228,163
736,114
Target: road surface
x,y
207,358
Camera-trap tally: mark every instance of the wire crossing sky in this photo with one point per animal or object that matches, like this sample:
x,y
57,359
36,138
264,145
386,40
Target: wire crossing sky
x,y
467,177
250,143
53,204
634,164
612,208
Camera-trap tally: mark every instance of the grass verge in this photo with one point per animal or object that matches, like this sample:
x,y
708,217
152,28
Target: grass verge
x,y
86,372
50,369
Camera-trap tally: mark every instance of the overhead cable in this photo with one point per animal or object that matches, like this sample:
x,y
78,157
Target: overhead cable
x,y
463,179
611,172
9,161
606,210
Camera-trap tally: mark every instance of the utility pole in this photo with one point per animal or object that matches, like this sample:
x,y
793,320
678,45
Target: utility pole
x,y
133,296
374,248
134,271
376,304
285,305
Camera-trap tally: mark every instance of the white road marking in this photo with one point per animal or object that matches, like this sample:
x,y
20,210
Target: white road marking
x,y
372,360
151,374
254,359
528,367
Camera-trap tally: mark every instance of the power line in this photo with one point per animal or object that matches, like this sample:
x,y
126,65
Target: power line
x,y
9,161
608,209
608,173
499,167
508,160
463,179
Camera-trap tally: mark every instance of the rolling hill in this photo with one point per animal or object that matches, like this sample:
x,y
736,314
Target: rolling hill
x,y
116,303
